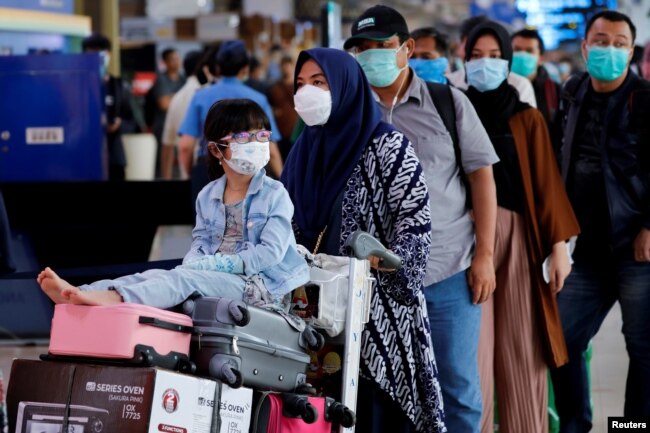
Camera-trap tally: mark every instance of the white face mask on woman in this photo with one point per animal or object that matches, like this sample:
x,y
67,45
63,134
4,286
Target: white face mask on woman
x,y
313,104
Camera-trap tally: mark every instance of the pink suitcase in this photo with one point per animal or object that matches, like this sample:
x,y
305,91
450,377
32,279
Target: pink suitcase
x,y
123,333
295,413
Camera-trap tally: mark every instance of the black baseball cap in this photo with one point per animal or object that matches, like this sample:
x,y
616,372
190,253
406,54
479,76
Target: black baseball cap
x,y
378,23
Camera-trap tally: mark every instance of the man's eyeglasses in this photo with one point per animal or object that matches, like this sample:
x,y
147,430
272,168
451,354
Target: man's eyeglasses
x,y
244,137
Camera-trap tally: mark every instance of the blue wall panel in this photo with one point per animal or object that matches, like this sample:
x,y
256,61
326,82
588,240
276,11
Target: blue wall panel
x,y
50,118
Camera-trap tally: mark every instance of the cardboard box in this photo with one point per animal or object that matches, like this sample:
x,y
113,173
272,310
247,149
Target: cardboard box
x,y
235,410
102,399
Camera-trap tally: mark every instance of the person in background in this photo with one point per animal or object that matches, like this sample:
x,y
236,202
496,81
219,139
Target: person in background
x,y
273,69
281,99
197,74
458,79
645,62
113,105
232,60
257,76
520,322
350,171
528,48
606,168
566,68
637,58
166,85
553,71
255,261
460,270
430,55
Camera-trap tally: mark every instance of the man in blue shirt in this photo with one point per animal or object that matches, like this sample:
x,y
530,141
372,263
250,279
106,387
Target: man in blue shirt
x,y
233,62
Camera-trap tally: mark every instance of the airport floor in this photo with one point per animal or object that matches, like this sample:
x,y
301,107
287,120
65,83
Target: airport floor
x,y
609,371
609,362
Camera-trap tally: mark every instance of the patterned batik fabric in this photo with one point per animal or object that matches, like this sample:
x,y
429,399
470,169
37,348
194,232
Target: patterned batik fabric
x,y
387,197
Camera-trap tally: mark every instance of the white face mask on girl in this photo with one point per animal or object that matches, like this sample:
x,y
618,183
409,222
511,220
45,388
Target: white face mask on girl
x,y
248,158
313,104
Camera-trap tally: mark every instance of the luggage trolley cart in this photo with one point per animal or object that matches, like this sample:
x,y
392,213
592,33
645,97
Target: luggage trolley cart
x,y
356,316
352,299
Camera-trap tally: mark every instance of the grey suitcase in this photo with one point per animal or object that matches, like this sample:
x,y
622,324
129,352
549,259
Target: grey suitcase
x,y
241,344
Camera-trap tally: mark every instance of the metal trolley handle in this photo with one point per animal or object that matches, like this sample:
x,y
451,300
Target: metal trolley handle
x,y
363,244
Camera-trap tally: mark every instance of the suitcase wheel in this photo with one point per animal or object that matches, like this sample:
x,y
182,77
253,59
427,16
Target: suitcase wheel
x,y
239,313
233,378
338,413
348,419
226,370
310,415
186,366
297,406
315,340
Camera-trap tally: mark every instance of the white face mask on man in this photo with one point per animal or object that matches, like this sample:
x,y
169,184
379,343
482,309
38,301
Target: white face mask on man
x,y
313,104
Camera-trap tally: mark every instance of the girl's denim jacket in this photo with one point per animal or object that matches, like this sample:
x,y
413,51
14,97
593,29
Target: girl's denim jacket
x,y
268,247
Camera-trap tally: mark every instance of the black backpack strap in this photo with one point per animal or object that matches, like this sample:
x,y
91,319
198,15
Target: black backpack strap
x,y
444,102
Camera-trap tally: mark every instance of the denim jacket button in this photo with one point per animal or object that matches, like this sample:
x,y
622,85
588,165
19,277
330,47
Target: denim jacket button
x,y
250,224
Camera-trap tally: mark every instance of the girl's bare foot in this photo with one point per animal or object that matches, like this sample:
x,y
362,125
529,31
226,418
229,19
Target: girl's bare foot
x,y
57,289
95,297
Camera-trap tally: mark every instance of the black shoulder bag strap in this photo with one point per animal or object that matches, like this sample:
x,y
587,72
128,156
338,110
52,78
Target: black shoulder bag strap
x,y
443,100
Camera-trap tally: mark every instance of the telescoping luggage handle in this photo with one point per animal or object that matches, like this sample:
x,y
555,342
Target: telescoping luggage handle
x,y
156,322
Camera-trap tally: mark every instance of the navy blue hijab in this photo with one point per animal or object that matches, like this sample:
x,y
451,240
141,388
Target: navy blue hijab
x,y
322,159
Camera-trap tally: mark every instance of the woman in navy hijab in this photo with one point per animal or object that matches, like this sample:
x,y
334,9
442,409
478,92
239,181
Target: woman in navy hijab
x,y
348,171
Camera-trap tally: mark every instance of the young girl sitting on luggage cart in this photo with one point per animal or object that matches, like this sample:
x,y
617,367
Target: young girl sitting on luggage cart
x,y
243,245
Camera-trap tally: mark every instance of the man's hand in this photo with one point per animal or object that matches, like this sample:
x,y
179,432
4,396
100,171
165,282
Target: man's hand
x,y
481,278
642,246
